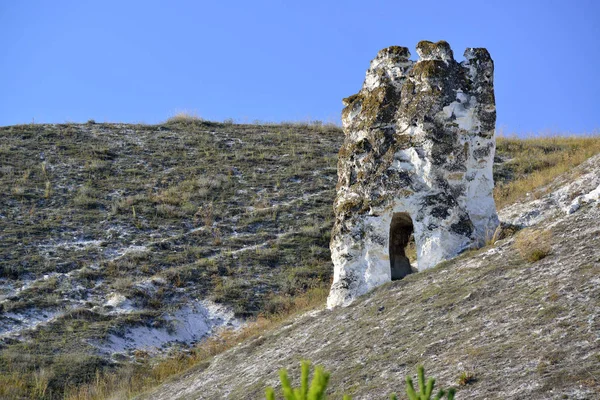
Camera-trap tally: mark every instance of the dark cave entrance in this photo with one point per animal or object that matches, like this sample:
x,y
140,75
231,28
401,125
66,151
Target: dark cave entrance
x,y
402,245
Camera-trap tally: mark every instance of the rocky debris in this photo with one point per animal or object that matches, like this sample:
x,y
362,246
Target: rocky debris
x,y
592,196
417,160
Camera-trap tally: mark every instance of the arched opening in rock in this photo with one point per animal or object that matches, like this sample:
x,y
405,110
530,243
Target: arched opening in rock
x,y
402,245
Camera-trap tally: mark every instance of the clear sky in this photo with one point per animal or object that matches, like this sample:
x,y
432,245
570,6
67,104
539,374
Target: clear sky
x,y
142,61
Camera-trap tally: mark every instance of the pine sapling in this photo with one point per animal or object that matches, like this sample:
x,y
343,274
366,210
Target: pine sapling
x,y
316,390
425,389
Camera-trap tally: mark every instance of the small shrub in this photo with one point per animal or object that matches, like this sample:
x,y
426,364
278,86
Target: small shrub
x,y
96,165
278,305
18,191
465,378
11,271
503,231
533,245
184,117
86,198
71,370
123,284
40,383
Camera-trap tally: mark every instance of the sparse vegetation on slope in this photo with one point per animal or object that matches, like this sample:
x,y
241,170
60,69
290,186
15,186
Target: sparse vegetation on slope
x,y
147,373
488,312
528,164
161,215
533,245
492,313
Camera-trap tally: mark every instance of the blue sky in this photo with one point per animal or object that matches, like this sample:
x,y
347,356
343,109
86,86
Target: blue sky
x,y
142,61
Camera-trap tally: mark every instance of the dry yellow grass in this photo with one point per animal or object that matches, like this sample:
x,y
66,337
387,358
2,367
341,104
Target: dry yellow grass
x,y
537,161
136,379
533,245
185,116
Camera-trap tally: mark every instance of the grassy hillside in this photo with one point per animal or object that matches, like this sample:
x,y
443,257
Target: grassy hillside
x,y
163,215
515,320
127,202
526,164
159,214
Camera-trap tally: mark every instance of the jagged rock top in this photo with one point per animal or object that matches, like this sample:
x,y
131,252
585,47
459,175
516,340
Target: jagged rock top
x,y
392,68
434,51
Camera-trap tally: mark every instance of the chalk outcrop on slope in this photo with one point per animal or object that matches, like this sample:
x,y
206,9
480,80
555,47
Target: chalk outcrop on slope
x,y
416,163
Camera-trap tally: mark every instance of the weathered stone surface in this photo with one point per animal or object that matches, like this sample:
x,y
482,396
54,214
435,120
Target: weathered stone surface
x,y
419,150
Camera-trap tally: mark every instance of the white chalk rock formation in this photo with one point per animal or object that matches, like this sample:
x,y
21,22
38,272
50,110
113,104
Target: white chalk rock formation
x,y
416,163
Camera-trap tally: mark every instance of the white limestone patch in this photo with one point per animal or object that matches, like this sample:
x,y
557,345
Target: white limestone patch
x,y
119,304
13,323
76,244
80,244
592,196
7,289
133,249
187,325
463,110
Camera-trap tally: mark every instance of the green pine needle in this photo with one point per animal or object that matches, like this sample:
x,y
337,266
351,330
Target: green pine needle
x,y
270,393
